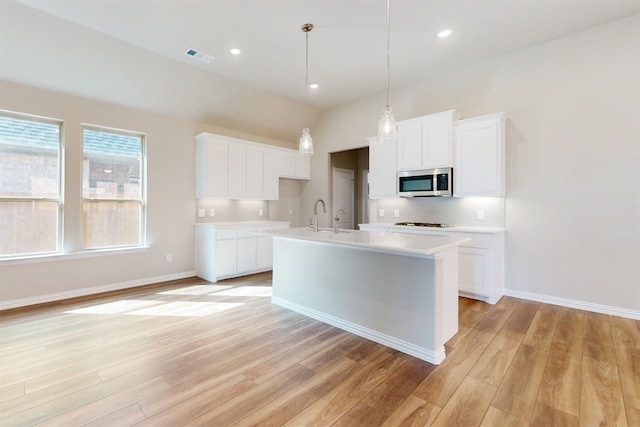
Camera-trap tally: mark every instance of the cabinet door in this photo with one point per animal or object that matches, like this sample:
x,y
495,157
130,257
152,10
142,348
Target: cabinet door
x,y
382,170
212,167
479,169
271,181
409,145
303,166
286,164
246,254
237,171
255,173
474,271
226,258
436,143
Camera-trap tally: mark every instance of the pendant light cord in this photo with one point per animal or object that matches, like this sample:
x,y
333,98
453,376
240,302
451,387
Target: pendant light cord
x,y
388,47
306,79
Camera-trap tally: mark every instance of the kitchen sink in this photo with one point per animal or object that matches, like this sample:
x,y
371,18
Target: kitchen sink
x,y
331,230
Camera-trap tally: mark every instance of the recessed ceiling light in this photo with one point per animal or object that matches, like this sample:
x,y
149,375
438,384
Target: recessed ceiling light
x,y
235,51
445,33
314,85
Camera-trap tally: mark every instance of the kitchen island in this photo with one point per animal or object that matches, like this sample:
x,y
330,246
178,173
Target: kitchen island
x,y
400,290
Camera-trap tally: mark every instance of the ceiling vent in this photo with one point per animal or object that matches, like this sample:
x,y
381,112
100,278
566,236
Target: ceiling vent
x,y
200,56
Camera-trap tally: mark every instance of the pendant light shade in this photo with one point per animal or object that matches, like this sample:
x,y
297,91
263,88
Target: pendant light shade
x,y
306,142
388,127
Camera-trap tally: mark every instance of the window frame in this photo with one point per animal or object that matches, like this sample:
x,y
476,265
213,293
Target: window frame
x,y
142,243
60,164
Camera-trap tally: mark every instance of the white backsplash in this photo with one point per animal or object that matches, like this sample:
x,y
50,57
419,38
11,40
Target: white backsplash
x,y
448,210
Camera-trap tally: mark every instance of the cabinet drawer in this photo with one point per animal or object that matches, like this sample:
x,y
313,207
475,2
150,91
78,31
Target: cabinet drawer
x,y
247,232
477,240
226,233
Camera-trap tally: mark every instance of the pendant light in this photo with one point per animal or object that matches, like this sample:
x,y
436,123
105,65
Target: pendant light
x,y
306,142
387,127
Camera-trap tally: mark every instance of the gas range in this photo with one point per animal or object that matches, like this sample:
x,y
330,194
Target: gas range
x,y
424,224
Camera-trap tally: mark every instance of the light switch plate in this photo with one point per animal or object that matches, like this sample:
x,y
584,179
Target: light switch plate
x,y
396,213
212,212
200,213
480,215
381,213
260,212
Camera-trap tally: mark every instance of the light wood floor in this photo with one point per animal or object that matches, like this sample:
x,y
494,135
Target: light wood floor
x,y
192,353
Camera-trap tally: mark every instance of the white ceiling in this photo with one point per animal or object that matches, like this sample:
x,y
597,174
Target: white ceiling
x,y
347,55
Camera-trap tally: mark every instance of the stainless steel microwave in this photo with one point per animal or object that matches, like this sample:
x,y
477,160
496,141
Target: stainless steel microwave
x,y
426,183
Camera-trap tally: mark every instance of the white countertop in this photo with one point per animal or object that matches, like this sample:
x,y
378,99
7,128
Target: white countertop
x,y
241,223
457,228
396,243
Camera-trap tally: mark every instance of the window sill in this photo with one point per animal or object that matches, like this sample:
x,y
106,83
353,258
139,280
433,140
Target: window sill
x,y
73,255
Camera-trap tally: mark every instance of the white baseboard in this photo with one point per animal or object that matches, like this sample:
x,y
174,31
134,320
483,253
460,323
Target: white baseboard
x,y
571,303
435,357
22,302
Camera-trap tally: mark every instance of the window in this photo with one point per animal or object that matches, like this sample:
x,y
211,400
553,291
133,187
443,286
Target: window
x,y
30,185
113,188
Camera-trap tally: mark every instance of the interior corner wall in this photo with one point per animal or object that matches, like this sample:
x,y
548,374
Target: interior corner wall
x,y
572,210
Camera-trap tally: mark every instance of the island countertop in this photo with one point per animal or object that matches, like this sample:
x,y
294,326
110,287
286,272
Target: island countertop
x,y
426,246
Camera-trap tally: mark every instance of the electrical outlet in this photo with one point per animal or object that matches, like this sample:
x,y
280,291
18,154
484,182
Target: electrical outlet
x,y
396,213
212,212
480,215
290,211
381,213
200,213
169,257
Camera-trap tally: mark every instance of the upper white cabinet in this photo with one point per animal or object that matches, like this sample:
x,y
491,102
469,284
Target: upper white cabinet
x,y
212,168
229,168
382,169
293,165
426,142
479,169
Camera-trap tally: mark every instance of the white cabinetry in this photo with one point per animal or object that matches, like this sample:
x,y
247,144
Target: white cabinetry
x,y
426,142
382,169
480,159
233,249
293,165
212,168
229,168
480,260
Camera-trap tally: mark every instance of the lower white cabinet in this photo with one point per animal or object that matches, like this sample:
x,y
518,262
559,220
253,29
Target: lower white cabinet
x,y
480,260
225,250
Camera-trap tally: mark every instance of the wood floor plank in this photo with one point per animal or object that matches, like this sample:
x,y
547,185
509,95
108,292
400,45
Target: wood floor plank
x,y
11,392
127,416
629,369
561,380
600,395
626,332
633,416
438,387
413,412
496,359
280,410
518,391
468,404
542,329
570,327
597,328
336,403
497,418
518,323
240,406
546,416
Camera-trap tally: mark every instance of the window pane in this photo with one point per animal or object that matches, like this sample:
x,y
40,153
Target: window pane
x,y
28,227
109,223
29,158
112,164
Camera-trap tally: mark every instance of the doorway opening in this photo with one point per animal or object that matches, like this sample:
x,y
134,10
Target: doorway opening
x,y
350,189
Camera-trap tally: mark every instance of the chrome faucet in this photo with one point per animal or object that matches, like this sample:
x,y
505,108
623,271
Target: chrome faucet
x,y
337,220
315,213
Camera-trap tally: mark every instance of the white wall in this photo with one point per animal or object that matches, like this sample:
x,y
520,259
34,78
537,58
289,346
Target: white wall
x,y
573,157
